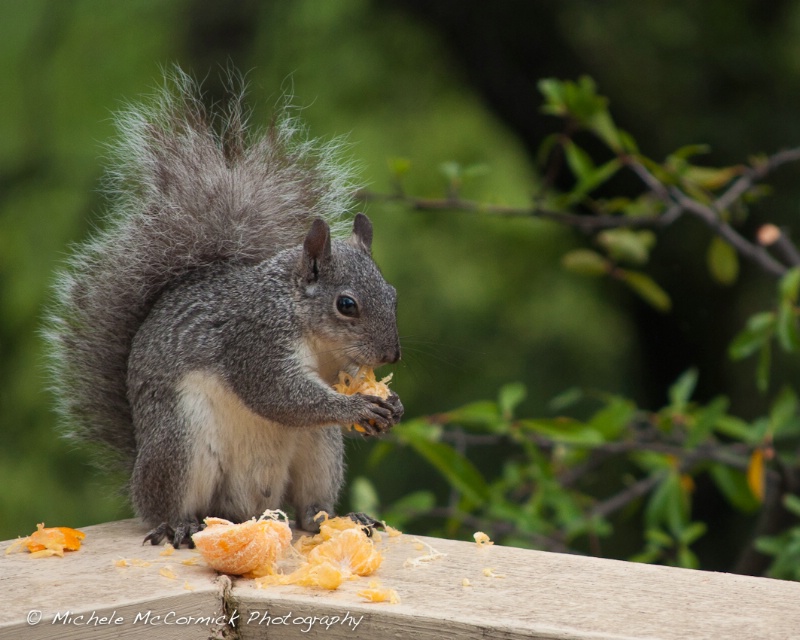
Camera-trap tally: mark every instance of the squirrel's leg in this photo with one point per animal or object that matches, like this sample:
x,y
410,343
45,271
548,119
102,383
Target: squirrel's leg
x,y
170,485
316,474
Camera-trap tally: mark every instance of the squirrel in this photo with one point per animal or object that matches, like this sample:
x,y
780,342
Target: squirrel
x,y
197,338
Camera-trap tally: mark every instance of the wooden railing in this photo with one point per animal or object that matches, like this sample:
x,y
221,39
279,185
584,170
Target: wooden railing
x,y
527,594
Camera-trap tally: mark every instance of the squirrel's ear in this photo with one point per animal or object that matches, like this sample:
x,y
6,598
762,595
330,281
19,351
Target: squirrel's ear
x,y
316,249
362,233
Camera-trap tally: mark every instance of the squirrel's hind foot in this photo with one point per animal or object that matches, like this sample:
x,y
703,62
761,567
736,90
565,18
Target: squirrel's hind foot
x,y
179,534
368,523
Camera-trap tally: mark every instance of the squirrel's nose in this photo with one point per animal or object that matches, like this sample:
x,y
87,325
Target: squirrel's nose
x,y
392,355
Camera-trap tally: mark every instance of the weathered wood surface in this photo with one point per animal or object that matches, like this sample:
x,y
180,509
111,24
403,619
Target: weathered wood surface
x,y
543,595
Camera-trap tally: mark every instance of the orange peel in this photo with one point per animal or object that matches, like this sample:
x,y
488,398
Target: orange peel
x,y
49,541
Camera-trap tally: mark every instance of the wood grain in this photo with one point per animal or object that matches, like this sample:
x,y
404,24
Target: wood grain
x,y
541,595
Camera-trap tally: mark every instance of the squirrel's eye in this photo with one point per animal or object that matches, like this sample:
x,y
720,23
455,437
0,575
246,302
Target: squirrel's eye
x,y
347,306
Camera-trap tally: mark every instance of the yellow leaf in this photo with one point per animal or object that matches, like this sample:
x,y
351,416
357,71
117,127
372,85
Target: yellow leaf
x,y
755,474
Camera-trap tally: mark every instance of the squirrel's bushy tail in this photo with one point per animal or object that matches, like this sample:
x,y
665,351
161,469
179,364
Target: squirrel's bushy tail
x,y
189,187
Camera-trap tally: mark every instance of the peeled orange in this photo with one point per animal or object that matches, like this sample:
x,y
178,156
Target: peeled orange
x,y
252,547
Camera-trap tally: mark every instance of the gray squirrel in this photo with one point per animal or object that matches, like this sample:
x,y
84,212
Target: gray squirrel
x,y
197,337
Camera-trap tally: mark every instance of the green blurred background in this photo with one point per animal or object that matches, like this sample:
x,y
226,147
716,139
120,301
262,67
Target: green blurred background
x,y
482,301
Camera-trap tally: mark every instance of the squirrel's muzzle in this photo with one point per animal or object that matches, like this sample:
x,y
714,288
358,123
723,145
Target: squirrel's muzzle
x,y
391,355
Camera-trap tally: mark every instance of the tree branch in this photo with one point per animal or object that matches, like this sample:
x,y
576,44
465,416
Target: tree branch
x,y
675,199
619,500
745,248
585,223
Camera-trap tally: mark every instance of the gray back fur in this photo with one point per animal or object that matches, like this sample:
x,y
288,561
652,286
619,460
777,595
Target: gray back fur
x,y
188,187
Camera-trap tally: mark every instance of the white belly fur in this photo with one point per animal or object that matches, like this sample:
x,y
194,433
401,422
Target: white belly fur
x,y
240,463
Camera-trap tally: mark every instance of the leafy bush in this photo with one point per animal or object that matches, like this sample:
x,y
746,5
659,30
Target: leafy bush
x,y
545,494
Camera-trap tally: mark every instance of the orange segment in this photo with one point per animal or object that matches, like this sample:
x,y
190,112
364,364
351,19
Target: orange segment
x,y
323,575
374,594
351,550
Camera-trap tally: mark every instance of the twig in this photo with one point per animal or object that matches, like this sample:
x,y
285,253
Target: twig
x,y
618,501
753,174
747,249
586,223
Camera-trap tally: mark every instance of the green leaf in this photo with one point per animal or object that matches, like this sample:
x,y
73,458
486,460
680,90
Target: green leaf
x,y
564,430
732,484
602,125
783,411
763,369
476,170
723,261
578,160
408,507
585,262
419,429
786,326
735,428
646,288
757,331
682,389
687,559
792,503
399,167
659,537
690,150
665,504
509,398
705,421
566,399
770,545
553,91
482,415
789,286
456,469
594,178
578,99
364,497
611,420
627,142
651,555
693,532
627,245
669,504
379,451
710,178
451,170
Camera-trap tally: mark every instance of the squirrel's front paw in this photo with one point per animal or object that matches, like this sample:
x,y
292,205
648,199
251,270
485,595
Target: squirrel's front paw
x,y
377,415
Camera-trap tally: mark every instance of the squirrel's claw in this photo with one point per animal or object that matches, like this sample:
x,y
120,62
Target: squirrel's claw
x,y
381,415
397,407
179,534
156,535
368,523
